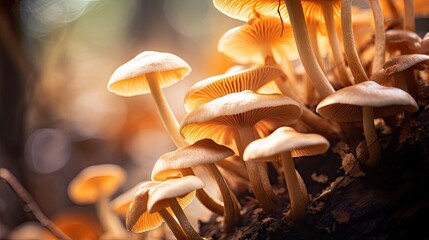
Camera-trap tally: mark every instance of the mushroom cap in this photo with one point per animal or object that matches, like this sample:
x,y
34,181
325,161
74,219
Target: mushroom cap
x,y
218,86
399,64
246,9
202,152
130,79
219,118
182,189
257,39
346,104
96,181
399,39
285,139
137,218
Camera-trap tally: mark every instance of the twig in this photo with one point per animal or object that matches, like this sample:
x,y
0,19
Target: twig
x,y
23,194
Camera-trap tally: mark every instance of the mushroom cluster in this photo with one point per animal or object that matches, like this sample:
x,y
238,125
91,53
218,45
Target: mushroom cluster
x,y
269,110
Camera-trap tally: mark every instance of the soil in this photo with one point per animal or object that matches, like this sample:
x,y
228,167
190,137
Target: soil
x,y
349,201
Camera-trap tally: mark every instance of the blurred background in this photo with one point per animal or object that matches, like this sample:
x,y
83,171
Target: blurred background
x,y
56,114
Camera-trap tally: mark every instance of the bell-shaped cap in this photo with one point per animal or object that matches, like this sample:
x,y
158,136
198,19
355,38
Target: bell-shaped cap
x,y
346,104
202,152
95,182
261,37
130,79
286,139
217,86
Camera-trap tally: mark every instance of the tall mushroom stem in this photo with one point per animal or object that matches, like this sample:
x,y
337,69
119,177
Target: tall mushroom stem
x,y
312,38
260,187
109,221
371,138
298,198
231,206
409,21
380,38
183,220
349,43
173,225
318,78
167,116
337,55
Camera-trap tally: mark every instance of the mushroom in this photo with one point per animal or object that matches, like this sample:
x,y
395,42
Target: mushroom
x,y
247,9
146,73
365,102
165,199
139,220
96,184
232,119
405,41
220,85
286,143
401,69
120,203
206,153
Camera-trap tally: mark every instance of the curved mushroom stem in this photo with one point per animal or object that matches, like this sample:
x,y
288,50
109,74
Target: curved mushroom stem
x,y
173,225
312,38
108,220
167,116
306,54
337,55
380,38
371,138
349,43
264,195
210,203
231,206
409,21
298,198
393,9
183,220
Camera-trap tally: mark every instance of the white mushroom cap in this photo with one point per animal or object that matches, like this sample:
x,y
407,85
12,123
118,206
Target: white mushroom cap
x,y
285,139
345,105
95,182
130,78
182,189
202,152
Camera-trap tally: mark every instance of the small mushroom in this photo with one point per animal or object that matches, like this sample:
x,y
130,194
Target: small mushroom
x,y
206,153
365,102
96,184
405,42
233,119
168,193
139,220
146,73
286,143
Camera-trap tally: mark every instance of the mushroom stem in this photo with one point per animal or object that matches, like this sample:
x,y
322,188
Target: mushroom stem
x,y
393,9
183,220
349,43
298,197
380,38
337,55
266,199
210,203
108,220
173,225
167,116
370,133
231,206
318,78
409,21
312,38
